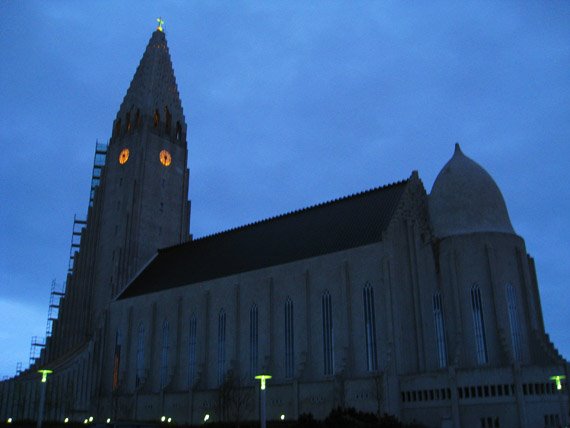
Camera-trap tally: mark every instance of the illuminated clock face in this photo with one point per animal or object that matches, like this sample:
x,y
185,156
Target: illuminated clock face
x,y
124,156
165,158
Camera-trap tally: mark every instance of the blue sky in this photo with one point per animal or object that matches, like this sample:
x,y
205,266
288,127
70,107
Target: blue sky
x,y
288,104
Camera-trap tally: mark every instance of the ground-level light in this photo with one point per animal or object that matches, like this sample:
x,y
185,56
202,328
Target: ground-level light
x,y
90,418
9,420
108,420
282,417
162,418
263,378
206,417
85,421
66,420
169,420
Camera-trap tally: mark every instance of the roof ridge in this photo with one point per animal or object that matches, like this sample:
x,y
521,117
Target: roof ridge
x,y
288,213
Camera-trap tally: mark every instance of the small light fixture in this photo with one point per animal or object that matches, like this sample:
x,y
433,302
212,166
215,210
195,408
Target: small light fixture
x,y
45,373
85,421
162,418
558,379
169,420
108,420
206,417
263,378
90,418
9,420
66,421
282,416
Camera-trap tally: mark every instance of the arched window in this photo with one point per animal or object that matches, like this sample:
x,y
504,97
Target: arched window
x,y
438,320
128,120
138,118
328,338
164,355
156,119
289,340
253,340
221,346
140,373
192,352
370,328
514,322
117,127
117,360
479,325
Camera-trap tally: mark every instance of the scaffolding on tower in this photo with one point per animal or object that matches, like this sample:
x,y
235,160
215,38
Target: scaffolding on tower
x,y
55,295
98,163
78,226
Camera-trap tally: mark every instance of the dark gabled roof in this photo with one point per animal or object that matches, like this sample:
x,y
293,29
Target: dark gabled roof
x,y
337,225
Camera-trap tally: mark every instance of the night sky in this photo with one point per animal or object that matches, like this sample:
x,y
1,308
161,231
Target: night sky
x,y
288,104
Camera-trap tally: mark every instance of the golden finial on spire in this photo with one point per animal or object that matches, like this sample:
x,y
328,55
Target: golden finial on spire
x,y
160,24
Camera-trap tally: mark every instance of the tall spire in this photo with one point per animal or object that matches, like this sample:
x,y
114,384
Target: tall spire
x,y
153,94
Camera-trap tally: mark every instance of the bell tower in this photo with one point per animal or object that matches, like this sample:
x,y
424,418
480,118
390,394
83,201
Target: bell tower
x,y
144,186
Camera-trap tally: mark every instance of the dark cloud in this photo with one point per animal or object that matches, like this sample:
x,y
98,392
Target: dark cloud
x,y
288,104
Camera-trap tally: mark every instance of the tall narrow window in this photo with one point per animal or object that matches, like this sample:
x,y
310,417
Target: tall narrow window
x,y
439,329
140,374
479,325
253,341
514,322
168,117
117,360
128,120
164,355
156,119
192,352
370,328
328,345
138,118
289,340
221,346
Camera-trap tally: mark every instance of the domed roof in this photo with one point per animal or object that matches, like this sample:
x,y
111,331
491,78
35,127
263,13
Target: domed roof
x,y
465,199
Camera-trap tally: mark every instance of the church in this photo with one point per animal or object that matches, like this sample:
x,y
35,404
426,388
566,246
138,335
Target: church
x,y
394,300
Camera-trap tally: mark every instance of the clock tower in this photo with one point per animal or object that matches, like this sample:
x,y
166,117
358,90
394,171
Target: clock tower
x,y
144,185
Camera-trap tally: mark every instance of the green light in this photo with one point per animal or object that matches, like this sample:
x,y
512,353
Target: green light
x,y
160,23
558,379
263,378
45,373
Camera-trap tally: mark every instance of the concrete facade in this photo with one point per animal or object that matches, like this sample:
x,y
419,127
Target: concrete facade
x,y
438,320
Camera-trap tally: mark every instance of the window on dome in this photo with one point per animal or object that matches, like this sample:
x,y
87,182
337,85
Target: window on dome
x,y
479,325
439,329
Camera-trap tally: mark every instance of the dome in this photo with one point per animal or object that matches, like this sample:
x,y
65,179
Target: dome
x,y
465,199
